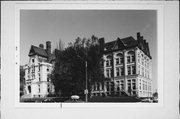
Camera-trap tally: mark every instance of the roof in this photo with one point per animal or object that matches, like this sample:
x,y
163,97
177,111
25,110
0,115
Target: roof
x,y
125,43
41,52
121,43
38,51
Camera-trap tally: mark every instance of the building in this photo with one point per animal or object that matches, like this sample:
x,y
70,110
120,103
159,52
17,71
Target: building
x,y
38,70
127,66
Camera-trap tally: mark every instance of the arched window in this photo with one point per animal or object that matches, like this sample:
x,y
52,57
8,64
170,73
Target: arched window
x,y
130,56
109,60
119,59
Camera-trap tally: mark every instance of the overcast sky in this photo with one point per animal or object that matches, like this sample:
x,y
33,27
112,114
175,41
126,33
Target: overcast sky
x,y
39,26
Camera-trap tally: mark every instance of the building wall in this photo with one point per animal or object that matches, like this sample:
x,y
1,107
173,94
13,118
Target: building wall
x,y
131,73
36,77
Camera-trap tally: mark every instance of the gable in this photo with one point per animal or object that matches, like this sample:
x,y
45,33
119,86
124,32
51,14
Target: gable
x,y
37,51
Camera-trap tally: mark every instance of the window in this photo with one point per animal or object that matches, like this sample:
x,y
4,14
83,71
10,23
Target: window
x,y
129,70
128,59
122,71
133,70
121,60
133,58
39,77
130,56
139,57
48,88
47,69
117,61
98,86
122,86
107,86
33,60
107,73
102,86
133,80
39,88
143,87
94,86
111,72
108,62
28,70
33,69
118,89
134,86
117,72
33,76
48,79
39,67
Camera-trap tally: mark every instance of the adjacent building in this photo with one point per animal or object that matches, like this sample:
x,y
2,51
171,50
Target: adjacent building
x,y
37,71
127,66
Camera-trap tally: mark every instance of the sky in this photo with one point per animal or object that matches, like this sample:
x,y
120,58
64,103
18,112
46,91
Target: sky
x,y
39,26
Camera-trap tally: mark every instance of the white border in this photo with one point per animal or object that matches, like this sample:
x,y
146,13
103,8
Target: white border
x,y
92,6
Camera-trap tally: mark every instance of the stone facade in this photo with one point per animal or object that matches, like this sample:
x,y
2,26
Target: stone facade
x,y
127,66
38,70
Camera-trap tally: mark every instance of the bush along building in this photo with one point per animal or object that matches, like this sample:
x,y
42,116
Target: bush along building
x,y
38,70
127,66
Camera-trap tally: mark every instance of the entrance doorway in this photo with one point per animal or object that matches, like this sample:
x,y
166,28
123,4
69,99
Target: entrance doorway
x,y
29,89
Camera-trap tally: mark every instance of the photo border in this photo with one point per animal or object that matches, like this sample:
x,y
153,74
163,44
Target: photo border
x,y
88,5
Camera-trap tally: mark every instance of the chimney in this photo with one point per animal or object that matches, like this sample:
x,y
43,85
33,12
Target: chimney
x,y
41,46
102,43
138,35
48,47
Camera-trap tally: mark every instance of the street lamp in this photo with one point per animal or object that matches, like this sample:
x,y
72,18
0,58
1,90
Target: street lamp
x,y
86,90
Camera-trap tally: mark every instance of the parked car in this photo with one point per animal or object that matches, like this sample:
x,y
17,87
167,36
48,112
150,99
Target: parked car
x,y
74,98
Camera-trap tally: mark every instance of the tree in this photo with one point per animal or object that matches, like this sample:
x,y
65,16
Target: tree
x,y
69,73
22,82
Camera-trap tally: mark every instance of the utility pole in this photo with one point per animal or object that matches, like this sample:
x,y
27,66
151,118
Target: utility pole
x,y
86,91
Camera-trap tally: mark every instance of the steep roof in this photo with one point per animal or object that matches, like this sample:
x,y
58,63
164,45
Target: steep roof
x,y
37,51
127,42
120,44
